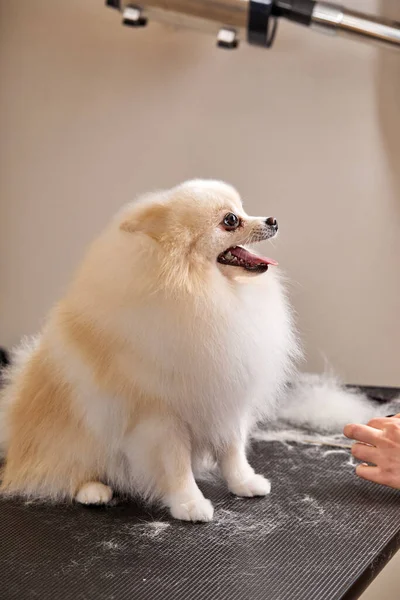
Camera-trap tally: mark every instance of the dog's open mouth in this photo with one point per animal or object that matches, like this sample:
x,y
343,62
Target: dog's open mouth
x,y
237,256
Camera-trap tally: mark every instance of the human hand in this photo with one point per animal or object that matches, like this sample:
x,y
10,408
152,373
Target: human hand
x,y
378,443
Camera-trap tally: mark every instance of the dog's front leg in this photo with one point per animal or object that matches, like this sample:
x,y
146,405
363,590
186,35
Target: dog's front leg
x,y
238,474
159,453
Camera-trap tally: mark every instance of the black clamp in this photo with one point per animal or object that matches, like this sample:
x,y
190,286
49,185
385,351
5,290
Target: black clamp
x,y
262,24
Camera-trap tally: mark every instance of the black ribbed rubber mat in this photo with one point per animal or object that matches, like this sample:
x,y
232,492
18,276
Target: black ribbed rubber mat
x,y
321,532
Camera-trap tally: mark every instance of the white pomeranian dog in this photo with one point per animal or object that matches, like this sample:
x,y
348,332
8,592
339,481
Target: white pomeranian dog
x,y
172,341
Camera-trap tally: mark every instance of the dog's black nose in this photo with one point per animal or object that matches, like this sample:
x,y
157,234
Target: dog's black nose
x,y
272,222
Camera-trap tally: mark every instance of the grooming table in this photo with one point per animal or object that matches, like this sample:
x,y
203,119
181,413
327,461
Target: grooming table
x,y
322,534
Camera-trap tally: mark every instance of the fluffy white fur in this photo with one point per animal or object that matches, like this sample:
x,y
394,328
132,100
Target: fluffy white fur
x,y
322,404
157,358
20,357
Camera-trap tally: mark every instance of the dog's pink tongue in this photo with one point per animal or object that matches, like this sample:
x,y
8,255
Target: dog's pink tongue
x,y
250,258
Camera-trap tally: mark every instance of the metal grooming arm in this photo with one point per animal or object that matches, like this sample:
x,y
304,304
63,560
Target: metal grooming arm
x,y
256,20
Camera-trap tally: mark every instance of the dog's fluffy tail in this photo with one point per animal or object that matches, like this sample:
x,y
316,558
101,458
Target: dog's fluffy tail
x,y
19,358
321,403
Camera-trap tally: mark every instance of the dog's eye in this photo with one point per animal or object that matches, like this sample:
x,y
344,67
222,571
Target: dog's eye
x,y
231,221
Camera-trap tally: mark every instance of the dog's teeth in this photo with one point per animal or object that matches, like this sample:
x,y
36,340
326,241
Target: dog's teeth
x,y
229,255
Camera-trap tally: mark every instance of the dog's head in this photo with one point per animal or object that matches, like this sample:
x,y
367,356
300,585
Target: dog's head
x,y
201,224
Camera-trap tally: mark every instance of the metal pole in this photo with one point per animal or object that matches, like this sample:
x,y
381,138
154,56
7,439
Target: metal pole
x,y
232,20
331,18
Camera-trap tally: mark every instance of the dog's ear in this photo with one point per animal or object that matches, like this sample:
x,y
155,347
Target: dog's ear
x,y
150,219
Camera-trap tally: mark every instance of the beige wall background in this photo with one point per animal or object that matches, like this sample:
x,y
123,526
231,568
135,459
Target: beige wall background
x,y
92,114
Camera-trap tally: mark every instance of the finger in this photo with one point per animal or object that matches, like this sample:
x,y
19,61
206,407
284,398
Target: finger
x,y
381,422
379,475
370,473
363,433
367,453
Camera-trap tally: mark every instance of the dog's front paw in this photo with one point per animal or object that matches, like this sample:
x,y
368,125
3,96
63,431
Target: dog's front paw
x,y
94,492
257,485
197,510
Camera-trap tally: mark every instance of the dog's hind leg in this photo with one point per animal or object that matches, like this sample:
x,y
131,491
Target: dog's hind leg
x,y
94,492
